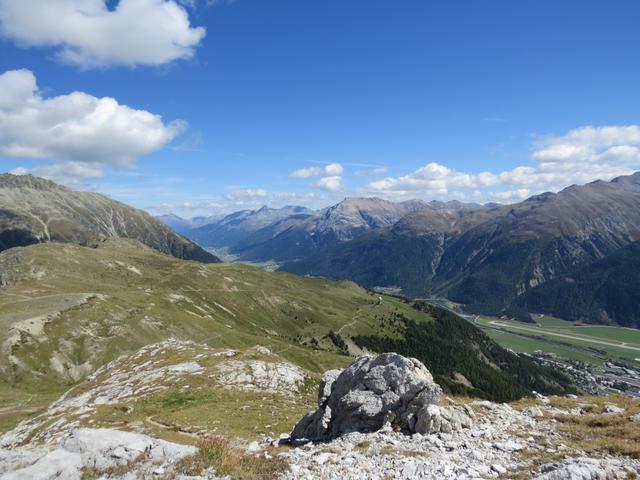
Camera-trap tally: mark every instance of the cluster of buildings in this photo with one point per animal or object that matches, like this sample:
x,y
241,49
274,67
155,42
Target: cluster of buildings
x,y
611,378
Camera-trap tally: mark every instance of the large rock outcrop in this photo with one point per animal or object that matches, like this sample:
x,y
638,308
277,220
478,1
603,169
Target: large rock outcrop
x,y
374,391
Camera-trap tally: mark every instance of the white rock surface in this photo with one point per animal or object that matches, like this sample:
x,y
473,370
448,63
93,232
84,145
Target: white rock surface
x,y
152,369
94,448
611,408
258,375
120,381
590,469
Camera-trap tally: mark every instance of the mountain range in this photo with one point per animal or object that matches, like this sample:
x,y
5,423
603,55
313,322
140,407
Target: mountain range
x,y
35,210
235,230
491,258
294,233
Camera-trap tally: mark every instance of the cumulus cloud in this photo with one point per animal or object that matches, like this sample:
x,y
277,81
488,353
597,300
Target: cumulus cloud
x,y
511,195
89,34
330,176
581,155
67,173
85,132
333,169
331,184
330,170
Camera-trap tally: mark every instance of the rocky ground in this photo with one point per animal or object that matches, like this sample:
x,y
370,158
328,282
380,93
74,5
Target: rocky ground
x,y
503,443
381,418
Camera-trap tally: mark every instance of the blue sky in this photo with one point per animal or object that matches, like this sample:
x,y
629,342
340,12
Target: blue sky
x,y
476,100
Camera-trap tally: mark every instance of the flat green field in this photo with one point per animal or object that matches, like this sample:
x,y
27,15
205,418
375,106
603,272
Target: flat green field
x,y
568,340
528,345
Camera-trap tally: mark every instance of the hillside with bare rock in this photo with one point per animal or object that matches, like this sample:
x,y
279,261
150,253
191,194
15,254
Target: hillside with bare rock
x,y
167,411
34,210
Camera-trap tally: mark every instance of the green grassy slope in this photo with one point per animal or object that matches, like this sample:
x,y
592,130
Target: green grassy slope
x,y
66,310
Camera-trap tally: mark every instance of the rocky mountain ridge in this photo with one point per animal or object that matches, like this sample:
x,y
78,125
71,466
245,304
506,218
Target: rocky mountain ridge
x,y
486,258
35,210
238,227
300,233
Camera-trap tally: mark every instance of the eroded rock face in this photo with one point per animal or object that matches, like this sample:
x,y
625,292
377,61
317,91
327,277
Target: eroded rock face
x,y
374,391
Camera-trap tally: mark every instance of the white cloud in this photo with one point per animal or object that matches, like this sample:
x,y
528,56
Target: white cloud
x,y
67,173
239,199
330,176
371,171
306,172
333,169
246,193
85,132
433,178
510,195
582,155
88,34
331,184
330,170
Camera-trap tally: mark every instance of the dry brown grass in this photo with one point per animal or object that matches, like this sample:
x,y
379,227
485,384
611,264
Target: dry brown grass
x,y
597,431
396,452
117,471
225,458
535,459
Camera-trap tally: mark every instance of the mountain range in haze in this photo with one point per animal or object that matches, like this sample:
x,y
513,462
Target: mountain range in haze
x,y
492,258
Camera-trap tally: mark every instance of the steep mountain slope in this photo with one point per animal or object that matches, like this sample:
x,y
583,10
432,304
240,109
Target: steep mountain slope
x,y
242,225
405,256
65,310
301,237
607,291
546,236
34,210
486,258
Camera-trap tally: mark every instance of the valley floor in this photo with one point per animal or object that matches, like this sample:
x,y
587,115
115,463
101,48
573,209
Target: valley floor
x,y
601,359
